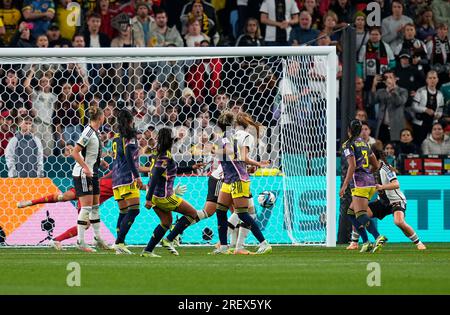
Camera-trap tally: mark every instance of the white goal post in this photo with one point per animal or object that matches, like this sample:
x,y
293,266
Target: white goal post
x,y
298,85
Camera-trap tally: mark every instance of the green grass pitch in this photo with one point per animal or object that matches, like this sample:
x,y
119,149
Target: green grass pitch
x,y
288,270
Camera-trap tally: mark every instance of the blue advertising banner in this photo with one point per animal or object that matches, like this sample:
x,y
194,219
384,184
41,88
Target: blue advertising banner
x,y
428,210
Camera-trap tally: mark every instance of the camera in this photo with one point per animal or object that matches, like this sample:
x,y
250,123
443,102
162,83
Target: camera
x,y
441,68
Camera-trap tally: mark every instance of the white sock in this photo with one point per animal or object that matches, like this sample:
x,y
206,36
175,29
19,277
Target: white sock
x,y
83,216
355,237
414,238
201,215
233,231
243,233
95,216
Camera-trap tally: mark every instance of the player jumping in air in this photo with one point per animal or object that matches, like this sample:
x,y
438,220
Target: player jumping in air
x,y
362,182
233,152
161,196
125,177
391,200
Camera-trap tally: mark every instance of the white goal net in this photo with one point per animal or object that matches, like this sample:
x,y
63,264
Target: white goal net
x,y
44,100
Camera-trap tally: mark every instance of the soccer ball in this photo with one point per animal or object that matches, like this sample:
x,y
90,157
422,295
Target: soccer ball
x,y
266,199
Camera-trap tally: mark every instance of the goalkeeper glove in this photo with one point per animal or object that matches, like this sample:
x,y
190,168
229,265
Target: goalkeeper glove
x,y
180,190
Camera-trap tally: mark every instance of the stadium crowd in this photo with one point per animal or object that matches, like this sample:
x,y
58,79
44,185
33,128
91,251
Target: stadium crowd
x,y
402,85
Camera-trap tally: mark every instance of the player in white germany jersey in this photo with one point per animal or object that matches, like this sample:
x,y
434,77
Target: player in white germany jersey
x,y
391,199
87,154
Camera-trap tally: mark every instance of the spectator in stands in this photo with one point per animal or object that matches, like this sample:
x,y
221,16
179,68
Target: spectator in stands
x,y
43,100
11,17
189,108
392,26
345,12
427,107
391,100
389,150
362,35
360,96
374,58
252,34
415,47
183,140
106,15
439,53
23,36
207,8
141,111
194,35
207,24
365,134
311,7
203,124
110,115
170,119
42,41
441,11
126,72
278,21
237,105
40,13
204,77
150,135
329,25
406,145
159,99
409,76
54,37
12,93
78,41
124,38
173,73
221,101
161,35
24,153
438,142
141,24
426,25
143,144
303,33
68,111
92,36
5,131
361,115
67,18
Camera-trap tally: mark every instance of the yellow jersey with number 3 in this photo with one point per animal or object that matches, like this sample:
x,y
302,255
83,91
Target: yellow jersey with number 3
x,y
361,151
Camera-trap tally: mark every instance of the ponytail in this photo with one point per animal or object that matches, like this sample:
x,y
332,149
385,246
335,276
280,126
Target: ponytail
x,y
125,118
245,120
